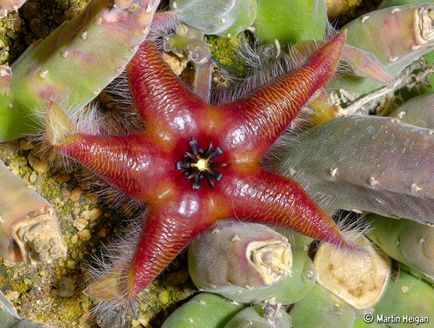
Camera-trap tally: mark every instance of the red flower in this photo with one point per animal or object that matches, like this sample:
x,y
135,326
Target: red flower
x,y
197,163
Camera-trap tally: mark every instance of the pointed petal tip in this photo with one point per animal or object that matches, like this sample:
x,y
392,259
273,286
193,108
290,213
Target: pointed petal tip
x,y
337,234
333,48
337,42
325,60
109,287
340,37
58,125
342,34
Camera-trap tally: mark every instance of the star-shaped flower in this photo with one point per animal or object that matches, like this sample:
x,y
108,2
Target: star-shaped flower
x,y
196,163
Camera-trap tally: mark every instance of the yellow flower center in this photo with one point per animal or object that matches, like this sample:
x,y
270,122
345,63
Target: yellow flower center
x,y
201,164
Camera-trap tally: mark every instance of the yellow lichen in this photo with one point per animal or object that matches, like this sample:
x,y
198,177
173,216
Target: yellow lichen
x,y
336,8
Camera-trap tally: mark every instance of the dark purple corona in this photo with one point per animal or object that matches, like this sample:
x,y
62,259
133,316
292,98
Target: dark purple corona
x,y
199,163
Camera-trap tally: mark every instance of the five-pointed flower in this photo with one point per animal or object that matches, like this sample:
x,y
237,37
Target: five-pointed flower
x,y
196,163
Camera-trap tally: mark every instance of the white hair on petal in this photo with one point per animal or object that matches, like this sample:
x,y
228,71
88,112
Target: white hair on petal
x,y
263,75
280,153
352,222
353,227
110,195
120,91
164,23
92,119
79,120
250,55
331,29
116,255
266,64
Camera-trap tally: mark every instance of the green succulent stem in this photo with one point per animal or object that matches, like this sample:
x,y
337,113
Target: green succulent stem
x,y
73,64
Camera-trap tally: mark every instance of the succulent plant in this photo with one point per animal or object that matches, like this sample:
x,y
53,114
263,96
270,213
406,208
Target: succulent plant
x,y
188,42
390,3
203,310
366,163
395,36
418,111
5,79
227,17
29,230
428,87
321,307
296,21
360,322
406,241
347,158
62,68
229,259
213,311
247,256
267,316
408,298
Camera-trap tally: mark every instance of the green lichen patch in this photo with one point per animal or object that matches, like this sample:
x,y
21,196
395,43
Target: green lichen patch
x,y
226,53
